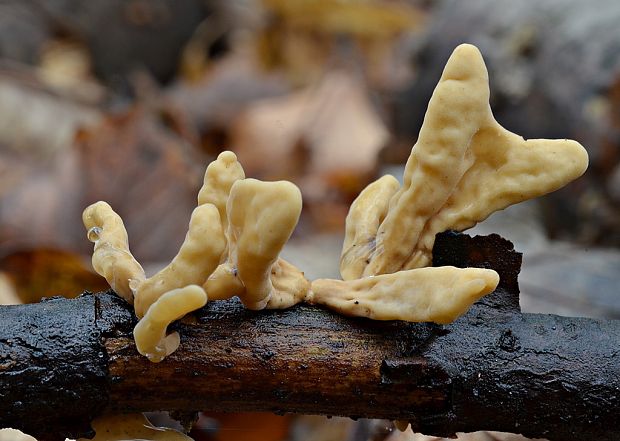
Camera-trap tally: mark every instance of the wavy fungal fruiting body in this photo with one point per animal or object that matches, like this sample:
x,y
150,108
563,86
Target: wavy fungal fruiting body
x,y
232,247
261,219
198,256
111,256
464,167
150,332
437,295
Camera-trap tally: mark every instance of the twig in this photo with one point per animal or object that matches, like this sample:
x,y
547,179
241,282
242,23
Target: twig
x,y
62,362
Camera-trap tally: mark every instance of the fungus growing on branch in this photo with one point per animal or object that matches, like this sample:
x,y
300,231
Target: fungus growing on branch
x,y
220,175
111,256
261,217
150,332
197,258
463,168
438,295
172,292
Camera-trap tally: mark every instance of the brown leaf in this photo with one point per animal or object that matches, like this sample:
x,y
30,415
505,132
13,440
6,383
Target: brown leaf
x,y
147,173
40,205
133,160
37,119
255,426
211,102
324,138
301,37
39,273
366,19
38,174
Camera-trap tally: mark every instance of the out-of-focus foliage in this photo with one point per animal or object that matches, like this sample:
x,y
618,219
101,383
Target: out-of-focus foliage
x,y
326,138
256,426
303,36
41,273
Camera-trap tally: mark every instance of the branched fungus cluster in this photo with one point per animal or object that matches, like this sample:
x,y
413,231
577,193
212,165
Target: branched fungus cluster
x,y
464,167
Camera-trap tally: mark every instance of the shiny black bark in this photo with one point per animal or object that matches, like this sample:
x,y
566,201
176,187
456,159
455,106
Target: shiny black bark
x,y
64,361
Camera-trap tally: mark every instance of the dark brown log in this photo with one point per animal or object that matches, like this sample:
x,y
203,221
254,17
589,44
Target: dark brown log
x,y
64,361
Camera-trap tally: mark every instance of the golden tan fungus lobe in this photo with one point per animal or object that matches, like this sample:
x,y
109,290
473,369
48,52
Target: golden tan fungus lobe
x,y
365,215
197,258
221,174
111,256
464,167
262,217
150,332
437,295
290,286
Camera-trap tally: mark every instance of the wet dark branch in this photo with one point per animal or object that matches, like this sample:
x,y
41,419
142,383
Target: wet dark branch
x,y
64,361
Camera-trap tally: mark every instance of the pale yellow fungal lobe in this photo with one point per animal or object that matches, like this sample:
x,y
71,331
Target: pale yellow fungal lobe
x,y
221,174
438,295
150,332
290,286
197,258
224,283
365,215
111,256
463,167
262,217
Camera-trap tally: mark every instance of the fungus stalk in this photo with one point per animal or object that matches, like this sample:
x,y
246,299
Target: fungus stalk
x,y
261,217
111,256
150,332
197,258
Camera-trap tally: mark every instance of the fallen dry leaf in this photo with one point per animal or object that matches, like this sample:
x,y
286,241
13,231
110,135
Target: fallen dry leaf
x,y
211,102
325,138
147,173
35,274
302,37
38,174
245,426
372,18
133,159
39,199
36,119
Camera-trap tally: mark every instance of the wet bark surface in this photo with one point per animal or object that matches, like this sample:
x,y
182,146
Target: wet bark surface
x,y
494,368
53,365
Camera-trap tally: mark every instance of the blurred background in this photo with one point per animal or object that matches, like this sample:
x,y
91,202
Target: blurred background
x,y
128,100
